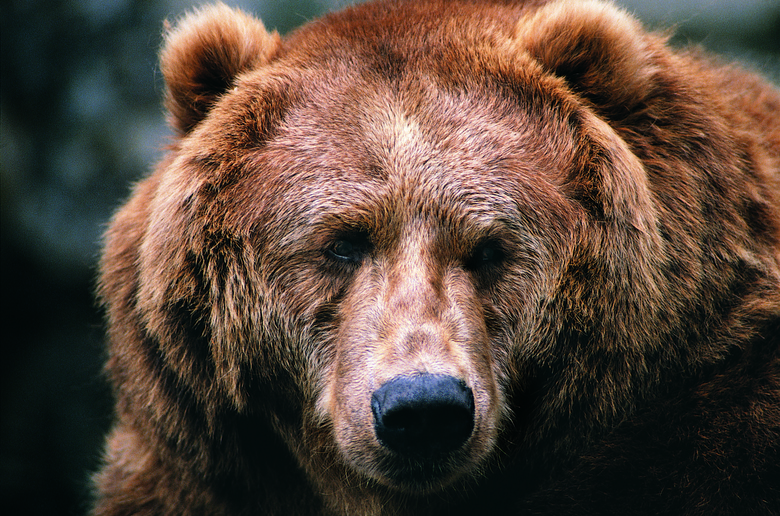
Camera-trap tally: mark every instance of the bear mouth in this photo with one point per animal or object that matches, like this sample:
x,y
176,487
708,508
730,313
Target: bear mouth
x,y
421,475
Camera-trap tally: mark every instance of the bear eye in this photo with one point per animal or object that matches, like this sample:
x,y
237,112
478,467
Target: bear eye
x,y
485,255
350,249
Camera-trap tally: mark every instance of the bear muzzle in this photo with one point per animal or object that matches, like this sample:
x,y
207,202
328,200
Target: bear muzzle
x,y
423,416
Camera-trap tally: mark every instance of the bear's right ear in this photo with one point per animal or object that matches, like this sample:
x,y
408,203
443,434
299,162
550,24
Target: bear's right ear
x,y
203,54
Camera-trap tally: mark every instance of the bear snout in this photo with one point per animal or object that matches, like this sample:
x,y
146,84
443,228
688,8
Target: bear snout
x,y
423,415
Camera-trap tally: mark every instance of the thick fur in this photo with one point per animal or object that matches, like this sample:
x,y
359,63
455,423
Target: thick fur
x,y
540,199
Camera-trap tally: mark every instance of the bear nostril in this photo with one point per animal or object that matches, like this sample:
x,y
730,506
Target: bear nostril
x,y
423,415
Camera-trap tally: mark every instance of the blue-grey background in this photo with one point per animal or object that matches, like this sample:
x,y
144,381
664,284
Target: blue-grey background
x,y
80,121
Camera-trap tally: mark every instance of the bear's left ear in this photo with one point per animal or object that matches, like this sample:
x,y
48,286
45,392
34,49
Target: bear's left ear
x,y
203,54
602,52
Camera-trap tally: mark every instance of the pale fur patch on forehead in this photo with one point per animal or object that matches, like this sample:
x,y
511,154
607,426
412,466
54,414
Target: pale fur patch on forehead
x,y
397,141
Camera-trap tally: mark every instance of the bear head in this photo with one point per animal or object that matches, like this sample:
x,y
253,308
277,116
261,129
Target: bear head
x,y
415,242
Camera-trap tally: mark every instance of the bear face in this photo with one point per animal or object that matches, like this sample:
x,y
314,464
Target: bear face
x,y
415,246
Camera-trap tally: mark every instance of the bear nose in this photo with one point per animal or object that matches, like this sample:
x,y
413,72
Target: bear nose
x,y
423,415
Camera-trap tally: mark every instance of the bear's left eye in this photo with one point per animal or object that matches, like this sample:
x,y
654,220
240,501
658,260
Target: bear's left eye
x,y
485,255
349,249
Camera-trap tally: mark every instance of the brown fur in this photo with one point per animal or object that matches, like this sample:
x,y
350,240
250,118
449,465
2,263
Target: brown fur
x,y
540,199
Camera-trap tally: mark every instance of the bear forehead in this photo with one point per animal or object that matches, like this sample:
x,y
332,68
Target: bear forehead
x,y
358,144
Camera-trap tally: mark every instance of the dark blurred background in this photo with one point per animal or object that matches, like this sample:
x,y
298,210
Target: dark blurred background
x,y
80,121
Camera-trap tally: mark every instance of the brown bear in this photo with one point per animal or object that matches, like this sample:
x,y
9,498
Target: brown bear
x,y
448,257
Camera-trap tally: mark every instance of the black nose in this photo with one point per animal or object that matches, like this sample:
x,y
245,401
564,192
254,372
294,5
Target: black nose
x,y
423,415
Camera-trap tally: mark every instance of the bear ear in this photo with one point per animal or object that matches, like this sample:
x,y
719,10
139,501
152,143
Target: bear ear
x,y
602,52
203,54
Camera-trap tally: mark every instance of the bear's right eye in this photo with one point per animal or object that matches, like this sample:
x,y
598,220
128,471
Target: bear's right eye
x,y
350,249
